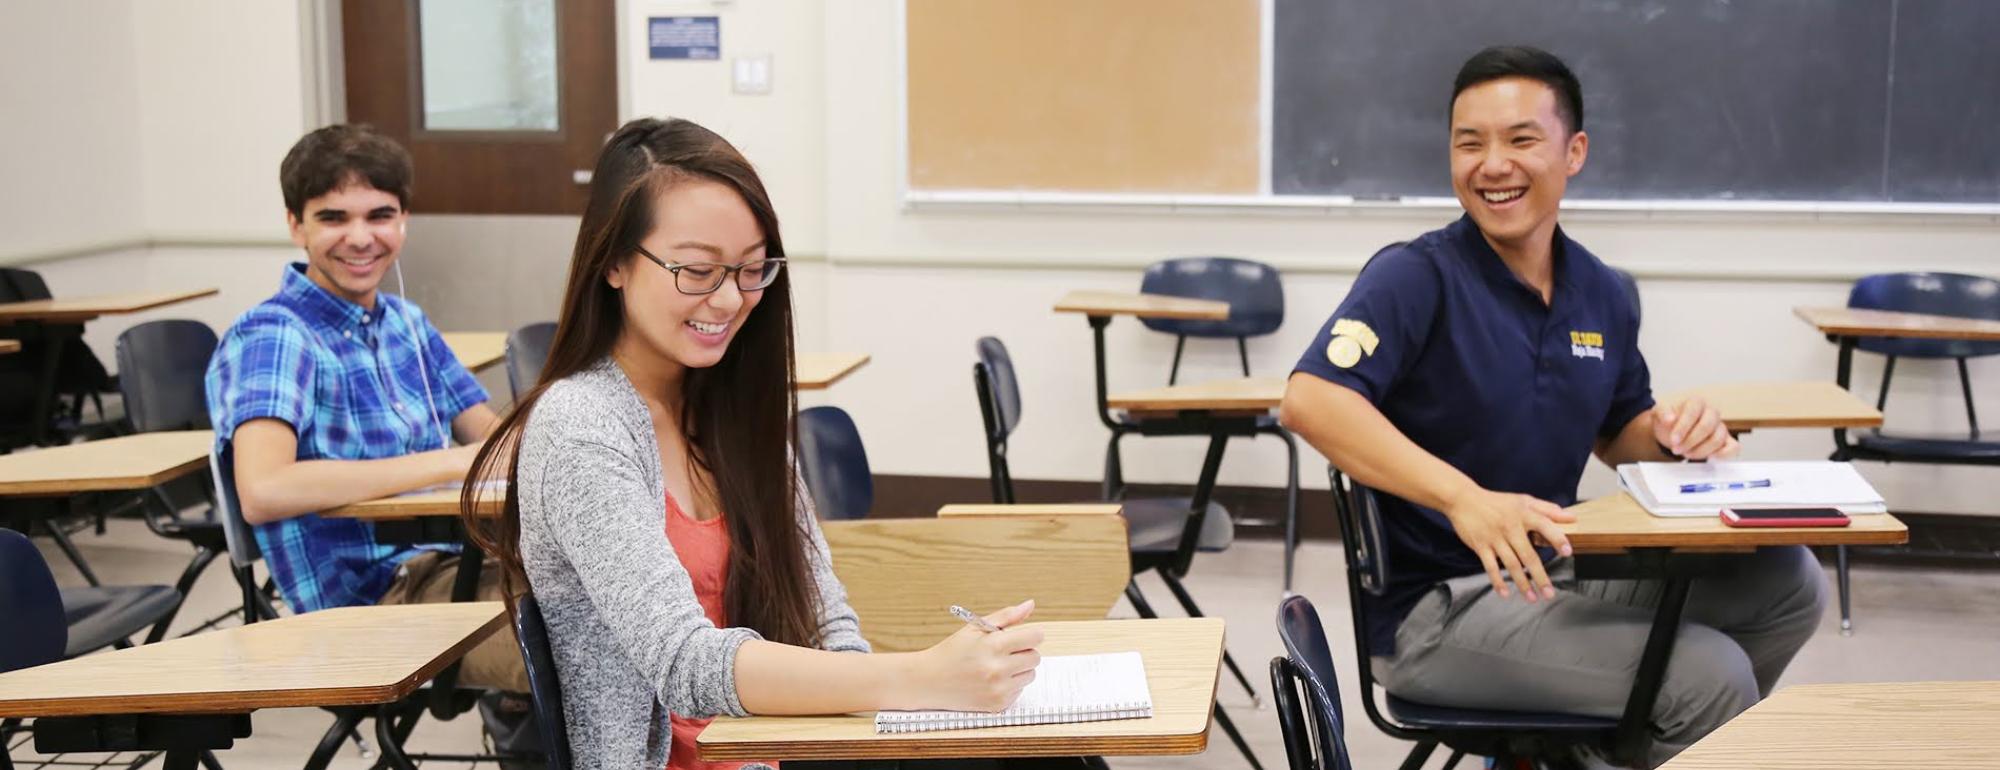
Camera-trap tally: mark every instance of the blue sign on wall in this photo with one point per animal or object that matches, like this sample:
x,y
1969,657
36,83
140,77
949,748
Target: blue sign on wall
x,y
684,37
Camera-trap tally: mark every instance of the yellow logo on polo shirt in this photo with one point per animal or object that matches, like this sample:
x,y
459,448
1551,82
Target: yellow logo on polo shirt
x,y
1351,340
1586,345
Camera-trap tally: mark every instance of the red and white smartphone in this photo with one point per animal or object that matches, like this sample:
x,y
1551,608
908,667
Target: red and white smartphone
x,y
1784,517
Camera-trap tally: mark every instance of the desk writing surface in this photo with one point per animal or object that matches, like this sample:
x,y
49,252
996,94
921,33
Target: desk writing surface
x,y
437,501
1798,404
1854,322
1029,509
10,346
344,656
1110,303
1617,522
79,309
817,371
477,351
1181,657
121,463
1835,726
1252,393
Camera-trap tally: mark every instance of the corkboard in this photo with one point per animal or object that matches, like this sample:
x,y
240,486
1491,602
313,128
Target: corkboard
x,y
1134,96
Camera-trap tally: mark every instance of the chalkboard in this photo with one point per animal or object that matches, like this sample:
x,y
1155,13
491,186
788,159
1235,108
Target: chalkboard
x,y
1813,100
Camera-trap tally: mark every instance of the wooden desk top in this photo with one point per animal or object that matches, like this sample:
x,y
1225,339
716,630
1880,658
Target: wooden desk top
x,y
333,657
80,309
1029,509
1108,303
436,501
817,371
1828,726
477,350
1808,404
1616,522
10,346
1252,394
1181,657
1850,322
125,462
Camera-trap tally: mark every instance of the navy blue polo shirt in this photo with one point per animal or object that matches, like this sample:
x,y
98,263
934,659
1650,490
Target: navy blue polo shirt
x,y
1469,363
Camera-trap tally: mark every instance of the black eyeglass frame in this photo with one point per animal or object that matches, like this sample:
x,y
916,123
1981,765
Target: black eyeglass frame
x,y
729,272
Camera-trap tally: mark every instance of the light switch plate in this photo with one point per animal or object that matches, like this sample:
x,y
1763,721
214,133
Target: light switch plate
x,y
751,74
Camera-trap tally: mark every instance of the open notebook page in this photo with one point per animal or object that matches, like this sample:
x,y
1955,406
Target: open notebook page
x,y
1067,688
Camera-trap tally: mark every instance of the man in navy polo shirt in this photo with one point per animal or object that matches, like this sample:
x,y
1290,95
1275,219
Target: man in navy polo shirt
x,y
1469,375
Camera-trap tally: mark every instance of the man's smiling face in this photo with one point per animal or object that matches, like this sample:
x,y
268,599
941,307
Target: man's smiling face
x,y
1512,155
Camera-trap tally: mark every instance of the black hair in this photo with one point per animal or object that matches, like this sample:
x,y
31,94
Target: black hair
x,y
1520,61
337,155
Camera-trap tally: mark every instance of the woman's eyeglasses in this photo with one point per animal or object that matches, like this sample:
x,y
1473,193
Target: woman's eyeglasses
x,y
705,277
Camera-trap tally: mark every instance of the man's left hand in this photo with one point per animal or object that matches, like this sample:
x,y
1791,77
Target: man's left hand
x,y
1693,429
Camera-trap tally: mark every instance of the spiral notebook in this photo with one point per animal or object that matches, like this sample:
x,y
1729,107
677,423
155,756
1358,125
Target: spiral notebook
x,y
1067,688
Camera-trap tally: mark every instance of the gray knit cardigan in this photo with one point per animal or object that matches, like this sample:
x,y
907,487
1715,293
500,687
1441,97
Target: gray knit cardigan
x,y
631,643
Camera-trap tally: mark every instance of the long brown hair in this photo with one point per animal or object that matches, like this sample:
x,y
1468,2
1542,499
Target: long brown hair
x,y
738,414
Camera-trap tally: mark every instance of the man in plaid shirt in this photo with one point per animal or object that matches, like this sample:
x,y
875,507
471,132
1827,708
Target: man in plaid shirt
x,y
332,392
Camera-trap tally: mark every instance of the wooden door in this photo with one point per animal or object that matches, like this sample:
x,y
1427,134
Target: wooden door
x,y
527,150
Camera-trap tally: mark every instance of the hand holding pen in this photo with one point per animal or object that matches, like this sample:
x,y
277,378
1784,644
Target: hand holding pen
x,y
984,664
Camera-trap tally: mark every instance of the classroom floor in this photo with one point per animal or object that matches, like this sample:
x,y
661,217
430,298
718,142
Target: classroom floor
x,y
1913,624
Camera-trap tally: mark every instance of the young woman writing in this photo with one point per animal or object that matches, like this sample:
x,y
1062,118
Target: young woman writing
x,y
653,505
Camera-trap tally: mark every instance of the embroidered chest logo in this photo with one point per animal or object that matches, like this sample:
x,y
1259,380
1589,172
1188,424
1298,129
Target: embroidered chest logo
x,y
1587,345
1351,340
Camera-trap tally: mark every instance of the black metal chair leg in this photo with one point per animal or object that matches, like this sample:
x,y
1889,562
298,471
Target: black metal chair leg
x,y
1229,729
207,757
1840,574
247,582
1419,754
343,724
57,534
391,751
1138,600
1187,603
1291,505
1114,469
1453,762
1174,374
202,556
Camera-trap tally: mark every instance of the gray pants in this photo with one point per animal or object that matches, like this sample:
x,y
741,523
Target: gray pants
x,y
1463,645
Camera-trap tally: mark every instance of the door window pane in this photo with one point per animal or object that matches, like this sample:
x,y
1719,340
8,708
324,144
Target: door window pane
x,y
488,65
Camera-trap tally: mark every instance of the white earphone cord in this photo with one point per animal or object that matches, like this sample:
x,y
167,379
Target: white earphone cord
x,y
423,372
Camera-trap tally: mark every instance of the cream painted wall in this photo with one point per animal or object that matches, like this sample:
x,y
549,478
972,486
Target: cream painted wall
x,y
156,128
220,100
72,148
781,132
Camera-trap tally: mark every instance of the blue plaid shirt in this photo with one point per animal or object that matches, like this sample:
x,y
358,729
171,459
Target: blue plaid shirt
x,y
351,384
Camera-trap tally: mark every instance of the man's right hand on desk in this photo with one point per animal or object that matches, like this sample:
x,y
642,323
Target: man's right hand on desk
x,y
1496,526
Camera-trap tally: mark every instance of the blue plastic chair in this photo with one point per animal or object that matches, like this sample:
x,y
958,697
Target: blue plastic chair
x,y
46,624
1503,735
544,686
1256,297
1947,294
527,351
1255,294
161,365
38,630
238,539
836,465
1312,728
1156,528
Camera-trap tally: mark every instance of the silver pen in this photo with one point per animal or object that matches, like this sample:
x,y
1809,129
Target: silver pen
x,y
972,620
